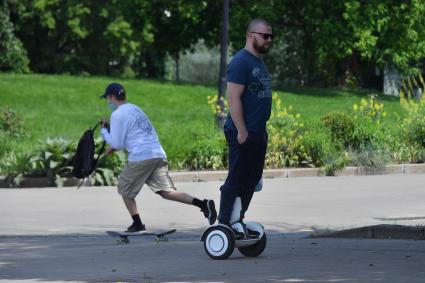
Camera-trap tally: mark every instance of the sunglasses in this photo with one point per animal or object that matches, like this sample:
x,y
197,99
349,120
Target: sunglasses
x,y
265,36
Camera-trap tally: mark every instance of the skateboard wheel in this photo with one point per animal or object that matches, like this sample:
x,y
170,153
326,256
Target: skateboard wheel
x,y
123,241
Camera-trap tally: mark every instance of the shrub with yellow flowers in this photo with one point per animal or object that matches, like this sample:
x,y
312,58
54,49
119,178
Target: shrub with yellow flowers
x,y
341,127
412,125
369,132
285,147
214,104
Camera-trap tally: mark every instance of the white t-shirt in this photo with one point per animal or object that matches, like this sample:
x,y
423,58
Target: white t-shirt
x,y
131,130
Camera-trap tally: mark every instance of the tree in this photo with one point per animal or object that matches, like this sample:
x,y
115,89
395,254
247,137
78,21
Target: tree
x,y
13,56
336,40
390,32
75,36
175,26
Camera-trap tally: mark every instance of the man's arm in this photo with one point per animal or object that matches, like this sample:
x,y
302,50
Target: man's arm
x,y
234,93
116,137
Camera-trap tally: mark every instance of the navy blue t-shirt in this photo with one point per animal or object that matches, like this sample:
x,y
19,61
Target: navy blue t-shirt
x,y
248,70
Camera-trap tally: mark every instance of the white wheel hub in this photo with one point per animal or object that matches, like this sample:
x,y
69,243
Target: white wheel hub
x,y
216,243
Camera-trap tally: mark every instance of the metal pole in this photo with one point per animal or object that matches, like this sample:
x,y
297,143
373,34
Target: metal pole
x,y
221,116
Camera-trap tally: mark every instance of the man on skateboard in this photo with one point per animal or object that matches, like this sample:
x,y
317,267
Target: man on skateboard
x,y
131,129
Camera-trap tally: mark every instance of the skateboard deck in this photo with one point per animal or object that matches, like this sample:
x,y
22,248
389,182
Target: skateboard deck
x,y
159,236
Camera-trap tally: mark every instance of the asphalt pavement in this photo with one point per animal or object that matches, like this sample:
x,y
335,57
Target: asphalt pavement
x,y
58,234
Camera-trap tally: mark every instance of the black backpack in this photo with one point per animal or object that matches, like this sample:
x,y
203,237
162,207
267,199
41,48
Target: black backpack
x,y
84,162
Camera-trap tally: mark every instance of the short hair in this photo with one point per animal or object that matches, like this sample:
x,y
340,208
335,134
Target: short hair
x,y
256,22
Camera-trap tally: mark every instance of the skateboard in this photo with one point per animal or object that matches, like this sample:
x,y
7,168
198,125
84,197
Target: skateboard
x,y
123,236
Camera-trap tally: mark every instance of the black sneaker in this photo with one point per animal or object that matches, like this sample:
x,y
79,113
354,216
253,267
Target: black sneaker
x,y
135,228
209,211
242,231
239,230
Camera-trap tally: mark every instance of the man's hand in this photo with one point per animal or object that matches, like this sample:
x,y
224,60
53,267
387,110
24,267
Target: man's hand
x,y
104,123
234,92
242,136
110,150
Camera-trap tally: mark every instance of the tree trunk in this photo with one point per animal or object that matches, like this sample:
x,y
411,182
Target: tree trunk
x,y
177,60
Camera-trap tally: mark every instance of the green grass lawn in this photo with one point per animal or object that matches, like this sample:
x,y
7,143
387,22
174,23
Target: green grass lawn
x,y
60,105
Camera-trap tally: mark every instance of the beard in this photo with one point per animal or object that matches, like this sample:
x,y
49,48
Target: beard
x,y
262,49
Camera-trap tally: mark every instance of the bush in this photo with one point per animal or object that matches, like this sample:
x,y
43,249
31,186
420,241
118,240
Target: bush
x,y
54,159
108,167
16,165
341,127
413,125
207,152
13,56
318,146
401,152
11,123
369,132
5,146
285,147
335,163
369,161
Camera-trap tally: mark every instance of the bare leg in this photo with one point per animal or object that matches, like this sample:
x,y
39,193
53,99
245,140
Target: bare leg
x,y
207,206
131,205
176,196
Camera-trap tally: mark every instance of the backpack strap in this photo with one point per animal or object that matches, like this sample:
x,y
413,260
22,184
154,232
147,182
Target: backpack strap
x,y
81,182
101,150
95,126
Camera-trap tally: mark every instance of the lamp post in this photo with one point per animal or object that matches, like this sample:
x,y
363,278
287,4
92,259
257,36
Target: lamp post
x,y
221,115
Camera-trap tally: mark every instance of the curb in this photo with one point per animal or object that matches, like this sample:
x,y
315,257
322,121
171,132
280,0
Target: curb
x,y
205,176
383,231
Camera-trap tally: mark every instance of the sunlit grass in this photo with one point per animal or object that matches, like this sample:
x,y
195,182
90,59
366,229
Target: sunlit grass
x,y
60,105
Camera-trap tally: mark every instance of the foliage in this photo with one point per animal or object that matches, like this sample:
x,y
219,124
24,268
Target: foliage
x,y
108,167
11,122
405,153
286,132
411,144
215,107
369,161
179,112
76,36
362,133
335,164
387,33
112,38
5,145
369,131
207,151
16,165
53,160
341,127
287,59
200,65
413,125
13,56
318,145
317,42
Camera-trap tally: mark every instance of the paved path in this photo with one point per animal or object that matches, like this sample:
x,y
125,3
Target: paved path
x,y
55,235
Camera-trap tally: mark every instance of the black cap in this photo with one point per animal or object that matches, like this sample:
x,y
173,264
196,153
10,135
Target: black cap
x,y
114,89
